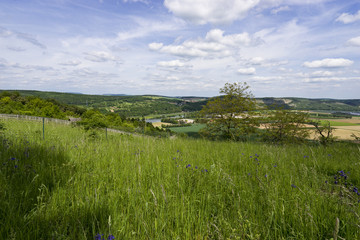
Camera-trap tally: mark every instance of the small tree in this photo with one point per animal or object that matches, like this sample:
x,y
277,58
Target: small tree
x,y
286,126
231,115
324,132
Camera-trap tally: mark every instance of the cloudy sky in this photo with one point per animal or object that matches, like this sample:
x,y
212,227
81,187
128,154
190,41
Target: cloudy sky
x,y
281,48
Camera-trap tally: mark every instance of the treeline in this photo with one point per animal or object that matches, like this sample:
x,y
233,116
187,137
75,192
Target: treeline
x,y
14,103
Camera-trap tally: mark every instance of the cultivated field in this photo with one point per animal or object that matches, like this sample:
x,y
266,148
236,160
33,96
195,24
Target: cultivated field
x,y
72,185
344,128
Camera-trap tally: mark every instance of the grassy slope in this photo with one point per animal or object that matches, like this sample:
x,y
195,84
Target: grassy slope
x,y
71,187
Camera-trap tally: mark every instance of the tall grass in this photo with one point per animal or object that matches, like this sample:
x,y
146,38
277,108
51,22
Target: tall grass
x,y
74,186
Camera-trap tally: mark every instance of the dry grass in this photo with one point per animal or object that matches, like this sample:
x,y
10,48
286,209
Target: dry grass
x,y
158,124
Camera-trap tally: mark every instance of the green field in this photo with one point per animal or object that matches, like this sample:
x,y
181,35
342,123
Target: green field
x,y
72,185
189,130
338,124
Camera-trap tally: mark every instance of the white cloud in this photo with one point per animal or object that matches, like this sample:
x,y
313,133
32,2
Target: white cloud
x,y
280,9
70,63
5,33
99,56
329,63
257,60
155,46
174,63
348,18
322,74
247,71
214,44
210,11
135,1
354,41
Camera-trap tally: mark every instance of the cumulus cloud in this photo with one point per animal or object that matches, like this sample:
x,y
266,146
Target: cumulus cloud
x,y
321,74
247,71
354,41
329,63
155,46
215,43
210,11
174,63
348,18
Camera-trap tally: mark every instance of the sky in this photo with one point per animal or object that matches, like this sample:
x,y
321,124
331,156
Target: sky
x,y
280,48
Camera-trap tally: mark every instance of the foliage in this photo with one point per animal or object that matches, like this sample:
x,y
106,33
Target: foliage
x,y
169,120
14,103
93,119
324,131
286,126
231,115
2,126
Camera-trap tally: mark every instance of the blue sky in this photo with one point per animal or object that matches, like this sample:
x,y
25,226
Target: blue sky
x,y
281,48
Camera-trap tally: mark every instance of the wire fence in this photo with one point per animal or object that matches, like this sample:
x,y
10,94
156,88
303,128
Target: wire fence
x,y
32,118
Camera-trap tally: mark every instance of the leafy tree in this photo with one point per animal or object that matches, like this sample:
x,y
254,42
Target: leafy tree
x,y
232,114
93,119
286,126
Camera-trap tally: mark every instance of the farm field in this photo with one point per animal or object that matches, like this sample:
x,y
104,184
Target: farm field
x,y
344,128
72,185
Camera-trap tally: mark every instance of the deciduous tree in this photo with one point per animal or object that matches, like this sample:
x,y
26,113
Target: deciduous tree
x,y
231,115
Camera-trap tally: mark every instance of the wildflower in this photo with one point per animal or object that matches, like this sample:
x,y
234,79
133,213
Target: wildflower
x,y
275,165
293,185
189,165
16,166
12,159
326,181
266,175
99,237
111,237
196,167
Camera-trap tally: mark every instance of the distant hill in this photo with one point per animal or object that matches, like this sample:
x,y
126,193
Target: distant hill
x,y
313,104
142,105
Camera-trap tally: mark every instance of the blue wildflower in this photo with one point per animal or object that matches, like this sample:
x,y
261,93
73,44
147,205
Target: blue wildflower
x,y
293,185
99,236
111,237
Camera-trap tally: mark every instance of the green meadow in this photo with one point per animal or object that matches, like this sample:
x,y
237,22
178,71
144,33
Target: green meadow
x,y
76,185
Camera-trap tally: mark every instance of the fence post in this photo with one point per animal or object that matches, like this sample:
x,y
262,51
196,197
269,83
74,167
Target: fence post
x,y
43,128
